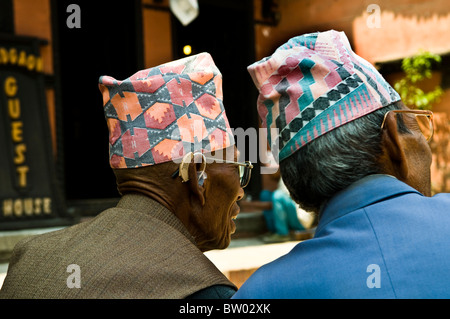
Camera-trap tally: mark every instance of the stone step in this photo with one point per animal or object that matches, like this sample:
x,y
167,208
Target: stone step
x,y
249,224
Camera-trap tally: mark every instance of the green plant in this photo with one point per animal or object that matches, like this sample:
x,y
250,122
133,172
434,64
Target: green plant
x,y
418,68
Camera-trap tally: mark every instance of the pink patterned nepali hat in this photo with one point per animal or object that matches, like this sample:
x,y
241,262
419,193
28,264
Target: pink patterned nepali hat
x,y
160,114
313,84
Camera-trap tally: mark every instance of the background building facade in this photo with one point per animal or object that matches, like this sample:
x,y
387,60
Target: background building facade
x,y
74,45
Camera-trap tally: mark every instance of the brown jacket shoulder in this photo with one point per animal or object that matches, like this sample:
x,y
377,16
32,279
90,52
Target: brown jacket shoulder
x,y
138,249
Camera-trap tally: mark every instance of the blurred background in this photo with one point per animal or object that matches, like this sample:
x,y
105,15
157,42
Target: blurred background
x,y
54,169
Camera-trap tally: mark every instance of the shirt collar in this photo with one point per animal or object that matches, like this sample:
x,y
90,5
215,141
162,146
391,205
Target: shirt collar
x,y
362,193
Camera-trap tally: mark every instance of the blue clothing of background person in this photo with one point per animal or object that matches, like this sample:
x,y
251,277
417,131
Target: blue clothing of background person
x,y
283,216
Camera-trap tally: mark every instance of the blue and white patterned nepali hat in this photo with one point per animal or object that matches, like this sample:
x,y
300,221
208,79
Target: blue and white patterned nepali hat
x,y
313,84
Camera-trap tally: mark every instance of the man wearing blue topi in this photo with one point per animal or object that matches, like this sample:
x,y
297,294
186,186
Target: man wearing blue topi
x,y
350,151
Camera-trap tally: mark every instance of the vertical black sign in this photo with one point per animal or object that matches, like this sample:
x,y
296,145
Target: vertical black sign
x,y
29,192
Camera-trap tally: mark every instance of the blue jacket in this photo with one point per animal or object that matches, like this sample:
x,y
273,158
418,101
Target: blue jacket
x,y
379,238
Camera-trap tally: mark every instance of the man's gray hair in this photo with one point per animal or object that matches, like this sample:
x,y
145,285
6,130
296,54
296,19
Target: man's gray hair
x,y
335,160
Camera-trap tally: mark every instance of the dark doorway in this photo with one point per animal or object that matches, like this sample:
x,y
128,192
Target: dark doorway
x,y
108,42
225,30
6,17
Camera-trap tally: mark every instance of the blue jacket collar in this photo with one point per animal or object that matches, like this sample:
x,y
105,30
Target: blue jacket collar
x,y
366,191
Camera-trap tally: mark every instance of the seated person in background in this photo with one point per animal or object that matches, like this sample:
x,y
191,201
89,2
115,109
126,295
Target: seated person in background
x,y
282,217
163,123
352,152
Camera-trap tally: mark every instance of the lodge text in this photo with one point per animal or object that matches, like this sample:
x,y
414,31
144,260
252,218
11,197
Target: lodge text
x,y
21,207
13,56
20,148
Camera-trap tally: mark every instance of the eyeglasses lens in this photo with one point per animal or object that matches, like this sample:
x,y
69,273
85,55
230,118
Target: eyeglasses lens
x,y
244,174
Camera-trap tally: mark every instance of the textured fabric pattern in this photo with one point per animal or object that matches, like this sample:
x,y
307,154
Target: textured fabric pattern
x,y
162,113
138,249
313,84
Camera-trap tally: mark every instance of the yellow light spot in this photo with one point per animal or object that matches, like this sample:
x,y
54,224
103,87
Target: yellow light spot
x,y
187,49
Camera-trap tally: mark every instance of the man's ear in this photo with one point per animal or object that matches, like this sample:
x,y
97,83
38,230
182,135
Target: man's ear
x,y
197,190
393,143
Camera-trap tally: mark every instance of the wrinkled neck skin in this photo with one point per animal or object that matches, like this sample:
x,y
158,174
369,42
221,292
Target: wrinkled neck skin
x,y
156,182
134,181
